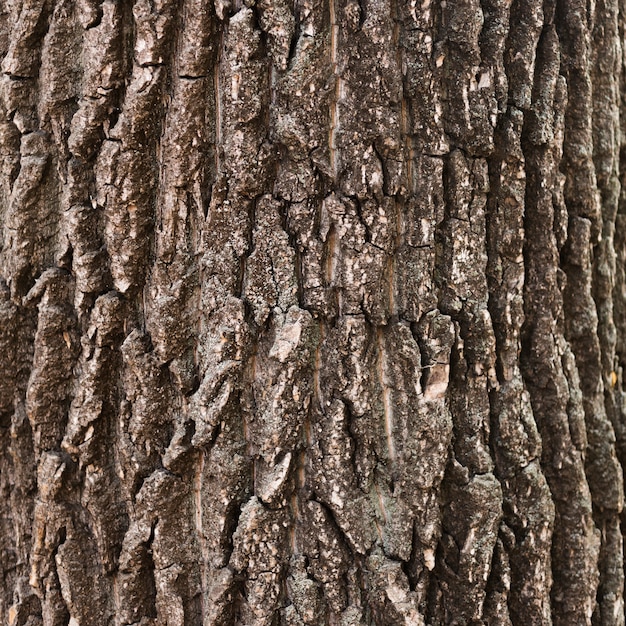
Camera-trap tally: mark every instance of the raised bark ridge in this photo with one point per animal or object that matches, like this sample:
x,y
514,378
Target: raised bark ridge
x,y
311,312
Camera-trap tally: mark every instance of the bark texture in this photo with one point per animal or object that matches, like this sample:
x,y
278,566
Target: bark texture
x,y
312,312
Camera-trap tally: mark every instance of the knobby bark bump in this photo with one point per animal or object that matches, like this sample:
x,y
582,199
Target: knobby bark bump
x,y
312,312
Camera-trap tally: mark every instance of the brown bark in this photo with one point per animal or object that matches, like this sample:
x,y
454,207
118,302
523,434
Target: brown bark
x,y
312,312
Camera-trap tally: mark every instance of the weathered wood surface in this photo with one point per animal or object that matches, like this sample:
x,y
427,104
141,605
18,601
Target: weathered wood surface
x,y
312,312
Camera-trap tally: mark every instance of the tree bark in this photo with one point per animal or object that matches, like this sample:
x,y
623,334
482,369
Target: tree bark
x,y
312,312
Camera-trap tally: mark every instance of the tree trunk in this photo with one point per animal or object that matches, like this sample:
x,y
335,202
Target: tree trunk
x,y
312,312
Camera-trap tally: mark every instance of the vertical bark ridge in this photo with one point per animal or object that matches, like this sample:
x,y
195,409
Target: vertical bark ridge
x,y
605,53
590,334
556,409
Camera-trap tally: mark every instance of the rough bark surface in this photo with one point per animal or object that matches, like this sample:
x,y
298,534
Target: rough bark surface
x,y
312,312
